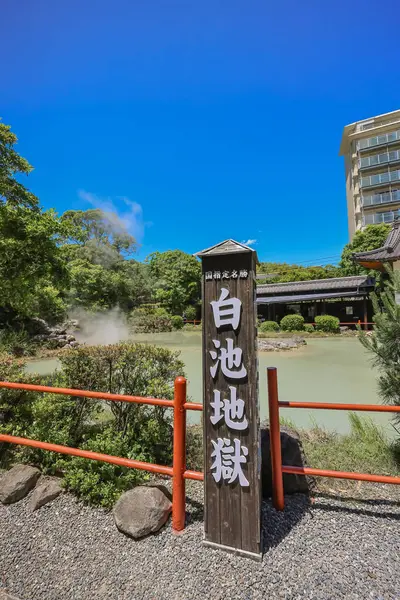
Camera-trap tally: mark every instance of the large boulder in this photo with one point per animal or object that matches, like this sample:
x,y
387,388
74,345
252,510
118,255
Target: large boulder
x,y
17,483
141,511
46,490
36,326
292,455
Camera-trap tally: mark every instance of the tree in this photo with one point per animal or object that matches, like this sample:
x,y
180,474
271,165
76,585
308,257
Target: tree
x,y
384,343
12,164
101,275
176,279
95,287
30,257
95,227
284,272
372,237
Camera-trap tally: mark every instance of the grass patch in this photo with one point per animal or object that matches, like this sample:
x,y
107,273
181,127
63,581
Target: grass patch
x,y
290,334
191,327
365,449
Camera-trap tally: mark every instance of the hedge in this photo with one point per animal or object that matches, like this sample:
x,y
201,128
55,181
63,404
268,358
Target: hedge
x,y
269,326
292,323
327,323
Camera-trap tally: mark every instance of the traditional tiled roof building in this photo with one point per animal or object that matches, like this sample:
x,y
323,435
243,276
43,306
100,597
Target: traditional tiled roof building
x,y
389,253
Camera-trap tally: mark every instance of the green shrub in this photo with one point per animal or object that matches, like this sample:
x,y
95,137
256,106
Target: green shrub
x,y
150,319
269,326
190,313
177,322
309,328
160,311
101,483
123,429
137,370
17,343
292,323
49,305
327,324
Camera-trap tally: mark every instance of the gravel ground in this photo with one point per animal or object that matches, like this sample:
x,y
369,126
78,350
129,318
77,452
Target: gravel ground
x,y
329,549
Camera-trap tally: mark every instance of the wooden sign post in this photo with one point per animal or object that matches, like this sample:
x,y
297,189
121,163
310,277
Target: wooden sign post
x,y
232,456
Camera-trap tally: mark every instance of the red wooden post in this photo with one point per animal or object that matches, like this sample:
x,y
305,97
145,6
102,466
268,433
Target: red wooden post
x,y
275,440
179,456
365,314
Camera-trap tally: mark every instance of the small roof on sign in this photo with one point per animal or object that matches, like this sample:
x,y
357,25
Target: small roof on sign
x,y
226,247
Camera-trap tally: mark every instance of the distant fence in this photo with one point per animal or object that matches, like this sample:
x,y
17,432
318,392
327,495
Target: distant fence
x,y
178,471
276,457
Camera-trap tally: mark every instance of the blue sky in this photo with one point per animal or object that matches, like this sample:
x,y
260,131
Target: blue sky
x,y
199,121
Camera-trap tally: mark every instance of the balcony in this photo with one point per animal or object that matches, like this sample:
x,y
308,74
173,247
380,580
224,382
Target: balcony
x,y
379,159
380,179
382,217
379,140
377,199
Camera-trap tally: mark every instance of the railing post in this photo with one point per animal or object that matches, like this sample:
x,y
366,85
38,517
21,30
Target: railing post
x,y
275,439
179,456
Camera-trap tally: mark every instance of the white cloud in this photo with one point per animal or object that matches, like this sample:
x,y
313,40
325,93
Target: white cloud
x,y
250,242
129,219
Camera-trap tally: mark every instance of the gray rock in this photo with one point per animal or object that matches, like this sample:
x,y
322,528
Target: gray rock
x,y
292,455
275,344
42,337
70,338
47,490
17,482
37,326
141,511
59,330
344,328
74,344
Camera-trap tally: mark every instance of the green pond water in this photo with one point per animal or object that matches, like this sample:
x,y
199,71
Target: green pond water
x,y
326,370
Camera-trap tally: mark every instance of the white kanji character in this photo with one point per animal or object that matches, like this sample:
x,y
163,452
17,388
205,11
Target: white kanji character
x,y
228,357
226,310
233,410
234,274
225,274
228,460
217,274
243,273
209,275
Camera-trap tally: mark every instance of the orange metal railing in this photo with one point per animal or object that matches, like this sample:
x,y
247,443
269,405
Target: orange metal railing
x,y
178,471
276,456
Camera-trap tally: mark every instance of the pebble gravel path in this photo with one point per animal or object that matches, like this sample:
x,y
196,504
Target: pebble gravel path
x,y
329,549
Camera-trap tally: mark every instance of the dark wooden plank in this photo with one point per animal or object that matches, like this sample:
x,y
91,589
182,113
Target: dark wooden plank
x,y
232,512
251,498
211,491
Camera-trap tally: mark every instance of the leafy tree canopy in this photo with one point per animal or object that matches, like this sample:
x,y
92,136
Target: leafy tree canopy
x,y
11,165
176,279
96,227
284,272
30,258
372,237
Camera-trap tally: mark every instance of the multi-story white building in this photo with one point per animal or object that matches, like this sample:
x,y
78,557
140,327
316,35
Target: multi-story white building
x,y
371,150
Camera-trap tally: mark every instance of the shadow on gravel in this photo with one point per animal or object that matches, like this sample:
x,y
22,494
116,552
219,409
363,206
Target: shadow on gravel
x,y
276,525
354,510
195,512
358,500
